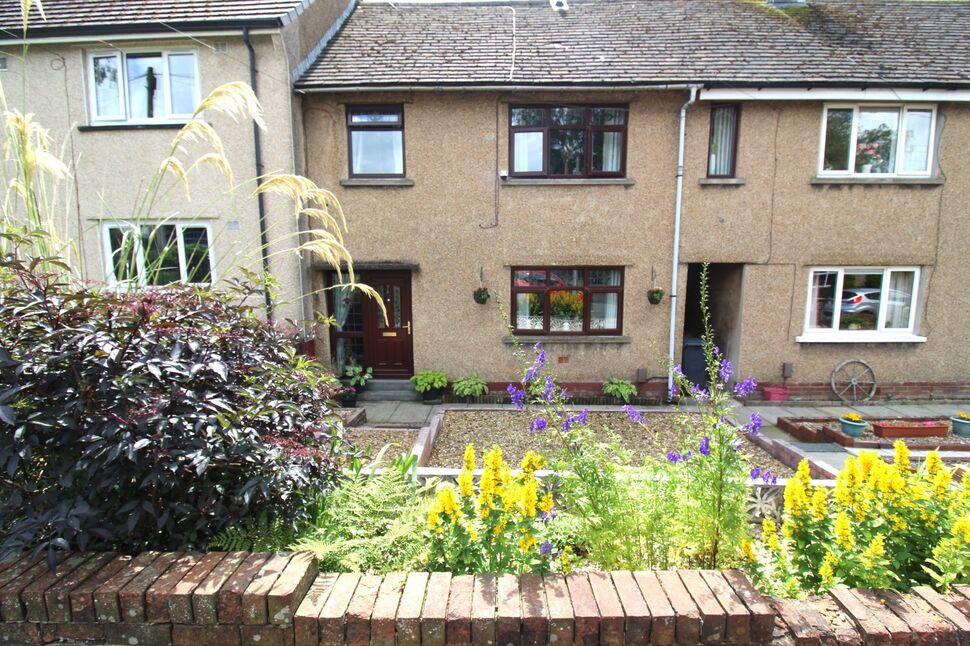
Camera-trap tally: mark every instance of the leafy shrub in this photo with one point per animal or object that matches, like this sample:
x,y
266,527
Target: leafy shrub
x,y
496,526
620,389
151,420
357,375
426,380
470,386
884,526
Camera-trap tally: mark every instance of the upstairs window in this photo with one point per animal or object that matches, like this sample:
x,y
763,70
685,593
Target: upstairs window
x,y
567,300
143,87
158,254
568,141
376,138
862,301
872,140
723,147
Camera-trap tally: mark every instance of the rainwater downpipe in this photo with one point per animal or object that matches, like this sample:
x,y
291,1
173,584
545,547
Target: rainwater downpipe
x,y
258,153
678,208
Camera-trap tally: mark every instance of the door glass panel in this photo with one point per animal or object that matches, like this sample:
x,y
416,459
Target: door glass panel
x,y
146,96
604,311
529,312
861,293
566,311
607,147
348,350
391,296
876,142
604,277
823,300
395,308
347,309
528,152
567,152
838,134
899,302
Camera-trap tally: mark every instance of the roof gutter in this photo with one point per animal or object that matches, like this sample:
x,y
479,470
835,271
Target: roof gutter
x,y
678,208
7,36
493,88
258,153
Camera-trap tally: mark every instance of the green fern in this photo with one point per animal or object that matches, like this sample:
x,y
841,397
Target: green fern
x,y
259,535
372,523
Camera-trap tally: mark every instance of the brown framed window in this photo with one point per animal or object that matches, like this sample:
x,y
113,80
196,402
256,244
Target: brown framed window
x,y
567,300
563,141
722,153
375,140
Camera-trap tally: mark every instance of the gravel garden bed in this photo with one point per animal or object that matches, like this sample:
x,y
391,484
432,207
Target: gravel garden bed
x,y
373,440
510,430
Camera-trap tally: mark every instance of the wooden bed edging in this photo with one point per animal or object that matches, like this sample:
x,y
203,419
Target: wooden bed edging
x,y
234,598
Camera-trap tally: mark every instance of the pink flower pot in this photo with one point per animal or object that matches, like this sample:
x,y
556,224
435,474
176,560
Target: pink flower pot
x,y
776,393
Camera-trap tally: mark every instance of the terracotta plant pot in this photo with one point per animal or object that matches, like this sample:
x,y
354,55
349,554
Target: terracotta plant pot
x,y
776,393
852,429
902,428
961,426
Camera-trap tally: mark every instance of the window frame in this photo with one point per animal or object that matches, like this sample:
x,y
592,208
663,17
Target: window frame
x,y
121,55
904,109
351,109
587,290
737,138
863,336
588,128
142,279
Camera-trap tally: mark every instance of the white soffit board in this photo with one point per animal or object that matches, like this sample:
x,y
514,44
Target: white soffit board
x,y
833,94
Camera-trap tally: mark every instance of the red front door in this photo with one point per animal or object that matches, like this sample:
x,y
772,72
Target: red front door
x,y
387,343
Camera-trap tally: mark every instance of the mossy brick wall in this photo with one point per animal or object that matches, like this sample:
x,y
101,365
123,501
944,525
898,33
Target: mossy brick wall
x,y
232,598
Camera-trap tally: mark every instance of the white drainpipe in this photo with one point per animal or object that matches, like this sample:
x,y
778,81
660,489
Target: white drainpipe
x,y
678,207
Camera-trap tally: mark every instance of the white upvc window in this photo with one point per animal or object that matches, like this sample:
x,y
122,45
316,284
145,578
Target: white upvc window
x,y
861,304
143,86
877,140
158,253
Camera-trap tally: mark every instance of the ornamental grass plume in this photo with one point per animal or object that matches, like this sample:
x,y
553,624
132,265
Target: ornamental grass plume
x,y
884,525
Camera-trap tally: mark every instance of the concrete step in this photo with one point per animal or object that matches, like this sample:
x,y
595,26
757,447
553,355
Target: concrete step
x,y
388,395
389,384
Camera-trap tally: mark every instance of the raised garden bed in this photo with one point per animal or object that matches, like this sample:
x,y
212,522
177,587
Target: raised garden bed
x,y
903,428
826,429
510,430
373,440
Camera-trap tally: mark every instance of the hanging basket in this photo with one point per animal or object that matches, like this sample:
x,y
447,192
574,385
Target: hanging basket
x,y
655,295
481,295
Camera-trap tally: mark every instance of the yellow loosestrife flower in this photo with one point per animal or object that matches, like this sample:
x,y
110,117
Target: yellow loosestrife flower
x,y
747,551
769,534
843,531
901,457
470,457
803,473
532,463
827,575
796,499
820,507
933,465
466,485
448,502
961,531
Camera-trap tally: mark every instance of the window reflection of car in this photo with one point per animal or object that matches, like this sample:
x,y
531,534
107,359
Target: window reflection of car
x,y
861,300
537,278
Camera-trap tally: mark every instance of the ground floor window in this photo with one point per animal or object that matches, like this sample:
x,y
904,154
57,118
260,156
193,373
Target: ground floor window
x,y
158,254
847,301
567,300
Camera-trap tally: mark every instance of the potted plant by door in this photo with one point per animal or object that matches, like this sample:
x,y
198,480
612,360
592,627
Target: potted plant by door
x,y
470,388
655,295
961,424
430,383
852,424
358,376
347,397
481,295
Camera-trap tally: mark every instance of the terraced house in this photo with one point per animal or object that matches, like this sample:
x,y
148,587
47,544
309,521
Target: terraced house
x,y
570,157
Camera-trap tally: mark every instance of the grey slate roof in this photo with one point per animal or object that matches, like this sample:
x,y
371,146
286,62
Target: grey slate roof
x,y
616,42
69,17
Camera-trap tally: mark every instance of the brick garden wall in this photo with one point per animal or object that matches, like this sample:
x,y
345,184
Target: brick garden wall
x,y
280,599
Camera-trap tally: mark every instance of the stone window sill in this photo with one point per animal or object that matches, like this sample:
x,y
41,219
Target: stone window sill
x,y
860,337
108,127
552,339
585,181
896,181
721,181
377,181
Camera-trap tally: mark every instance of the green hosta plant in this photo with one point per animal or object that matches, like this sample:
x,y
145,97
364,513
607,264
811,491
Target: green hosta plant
x,y
620,389
357,375
429,380
471,386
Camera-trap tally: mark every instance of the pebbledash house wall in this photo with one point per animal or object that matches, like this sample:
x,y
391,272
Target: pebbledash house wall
x,y
457,220
110,167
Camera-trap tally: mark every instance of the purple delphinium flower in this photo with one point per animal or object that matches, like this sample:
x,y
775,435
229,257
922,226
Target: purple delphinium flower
x,y
632,413
705,446
538,424
581,418
546,516
673,457
768,478
674,391
688,456
549,391
517,395
530,375
725,371
736,445
755,473
745,388
698,393
545,549
540,359
754,426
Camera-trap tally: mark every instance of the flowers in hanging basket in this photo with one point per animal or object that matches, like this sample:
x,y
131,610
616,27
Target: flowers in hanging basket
x,y
481,295
655,295
852,417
